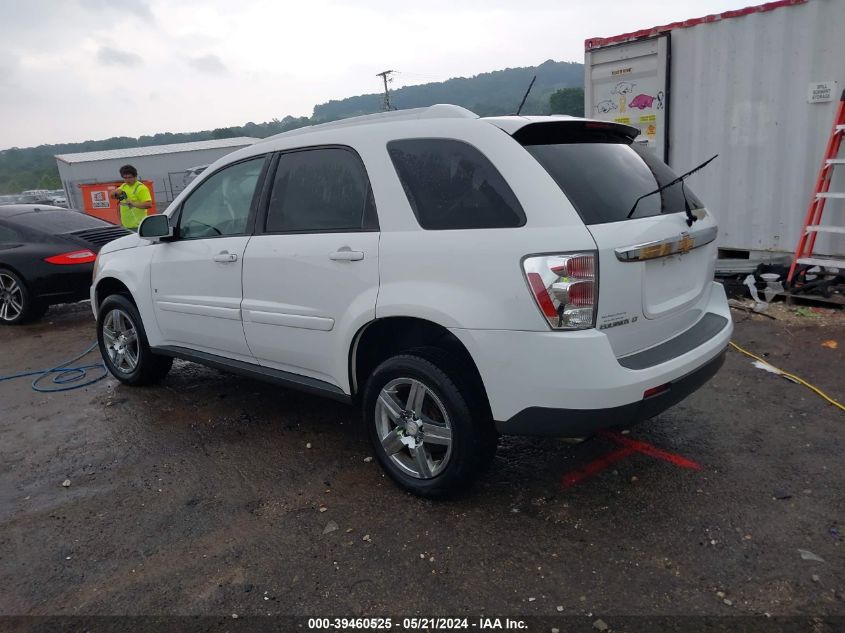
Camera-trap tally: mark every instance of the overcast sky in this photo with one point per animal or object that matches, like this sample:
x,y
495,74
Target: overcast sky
x,y
72,70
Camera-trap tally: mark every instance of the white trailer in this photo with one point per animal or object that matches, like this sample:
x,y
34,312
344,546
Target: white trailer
x,y
759,86
167,166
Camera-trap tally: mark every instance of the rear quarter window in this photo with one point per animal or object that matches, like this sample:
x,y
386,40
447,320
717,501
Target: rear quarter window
x,y
8,235
452,185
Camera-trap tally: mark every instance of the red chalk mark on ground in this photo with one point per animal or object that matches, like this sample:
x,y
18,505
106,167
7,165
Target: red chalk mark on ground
x,y
595,466
629,447
653,451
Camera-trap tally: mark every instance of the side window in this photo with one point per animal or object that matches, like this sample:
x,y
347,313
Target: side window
x,y
221,204
451,185
321,190
8,235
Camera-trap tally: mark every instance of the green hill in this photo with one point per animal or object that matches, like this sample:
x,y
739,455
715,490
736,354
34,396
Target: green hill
x,y
487,94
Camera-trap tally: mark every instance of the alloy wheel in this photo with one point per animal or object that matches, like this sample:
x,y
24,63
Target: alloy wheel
x,y
414,428
11,298
121,341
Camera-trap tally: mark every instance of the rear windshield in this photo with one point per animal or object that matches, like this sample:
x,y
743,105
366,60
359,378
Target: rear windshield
x,y
58,221
603,174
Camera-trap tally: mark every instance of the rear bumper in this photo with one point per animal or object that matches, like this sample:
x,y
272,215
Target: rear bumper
x,y
568,384
59,284
583,422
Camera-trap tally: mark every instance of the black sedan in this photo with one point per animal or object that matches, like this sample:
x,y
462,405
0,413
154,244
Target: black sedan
x,y
46,256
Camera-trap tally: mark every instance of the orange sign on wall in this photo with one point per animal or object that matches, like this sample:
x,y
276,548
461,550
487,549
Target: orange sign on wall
x,y
97,200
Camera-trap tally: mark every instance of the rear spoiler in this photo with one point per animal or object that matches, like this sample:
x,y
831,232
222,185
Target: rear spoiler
x,y
574,131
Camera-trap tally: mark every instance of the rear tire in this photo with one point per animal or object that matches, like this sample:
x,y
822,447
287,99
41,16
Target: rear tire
x,y
426,424
123,344
17,304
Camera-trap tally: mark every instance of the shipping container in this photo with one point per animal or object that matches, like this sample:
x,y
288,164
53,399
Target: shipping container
x,y
168,167
97,200
758,86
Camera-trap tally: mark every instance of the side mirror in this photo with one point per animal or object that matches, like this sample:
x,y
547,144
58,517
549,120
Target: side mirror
x,y
155,228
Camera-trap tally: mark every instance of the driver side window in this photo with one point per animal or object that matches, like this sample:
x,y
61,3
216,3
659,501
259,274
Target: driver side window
x,y
221,204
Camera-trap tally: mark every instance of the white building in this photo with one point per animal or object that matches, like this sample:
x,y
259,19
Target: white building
x,y
166,165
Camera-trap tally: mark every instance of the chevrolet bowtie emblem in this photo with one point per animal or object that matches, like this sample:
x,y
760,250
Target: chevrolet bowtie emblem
x,y
686,244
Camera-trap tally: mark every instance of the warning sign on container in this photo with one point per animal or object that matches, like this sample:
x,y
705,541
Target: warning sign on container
x,y
100,200
822,92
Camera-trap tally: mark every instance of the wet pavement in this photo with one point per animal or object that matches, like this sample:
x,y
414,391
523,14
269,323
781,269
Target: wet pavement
x,y
201,496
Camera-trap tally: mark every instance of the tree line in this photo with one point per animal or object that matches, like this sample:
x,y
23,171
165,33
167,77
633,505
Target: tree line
x,y
557,90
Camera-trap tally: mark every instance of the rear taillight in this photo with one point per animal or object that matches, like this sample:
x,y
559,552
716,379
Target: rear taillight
x,y
74,257
564,287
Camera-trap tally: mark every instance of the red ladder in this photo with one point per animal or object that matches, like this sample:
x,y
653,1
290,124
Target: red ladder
x,y
821,194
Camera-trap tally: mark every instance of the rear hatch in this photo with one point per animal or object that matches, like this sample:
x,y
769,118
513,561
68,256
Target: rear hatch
x,y
656,261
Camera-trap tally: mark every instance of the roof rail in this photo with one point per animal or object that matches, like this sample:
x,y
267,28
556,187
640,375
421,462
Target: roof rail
x,y
438,111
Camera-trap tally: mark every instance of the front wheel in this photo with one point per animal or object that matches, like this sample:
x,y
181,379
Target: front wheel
x,y
426,434
123,344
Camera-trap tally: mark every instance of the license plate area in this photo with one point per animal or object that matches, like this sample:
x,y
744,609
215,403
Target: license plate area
x,y
674,282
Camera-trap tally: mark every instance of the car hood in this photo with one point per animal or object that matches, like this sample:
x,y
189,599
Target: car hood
x,y
122,243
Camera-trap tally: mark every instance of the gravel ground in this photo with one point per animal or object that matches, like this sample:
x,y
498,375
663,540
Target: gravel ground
x,y
200,496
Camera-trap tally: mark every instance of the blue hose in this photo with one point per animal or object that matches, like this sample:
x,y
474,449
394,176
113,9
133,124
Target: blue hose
x,y
64,375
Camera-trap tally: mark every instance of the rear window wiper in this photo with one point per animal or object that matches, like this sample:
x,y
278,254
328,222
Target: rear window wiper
x,y
680,179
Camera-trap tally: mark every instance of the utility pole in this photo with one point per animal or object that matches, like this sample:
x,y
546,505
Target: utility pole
x,y
384,75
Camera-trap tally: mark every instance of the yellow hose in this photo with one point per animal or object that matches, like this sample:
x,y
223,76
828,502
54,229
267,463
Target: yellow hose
x,y
792,377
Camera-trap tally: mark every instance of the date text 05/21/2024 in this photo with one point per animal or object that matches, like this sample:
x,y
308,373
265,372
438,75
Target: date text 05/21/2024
x,y
482,623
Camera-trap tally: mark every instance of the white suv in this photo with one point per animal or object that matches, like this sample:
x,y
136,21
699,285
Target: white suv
x,y
458,277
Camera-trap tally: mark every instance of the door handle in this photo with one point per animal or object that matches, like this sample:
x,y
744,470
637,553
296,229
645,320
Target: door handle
x,y
225,257
346,255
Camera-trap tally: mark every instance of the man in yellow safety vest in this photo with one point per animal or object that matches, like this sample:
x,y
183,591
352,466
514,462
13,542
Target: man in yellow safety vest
x,y
134,197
